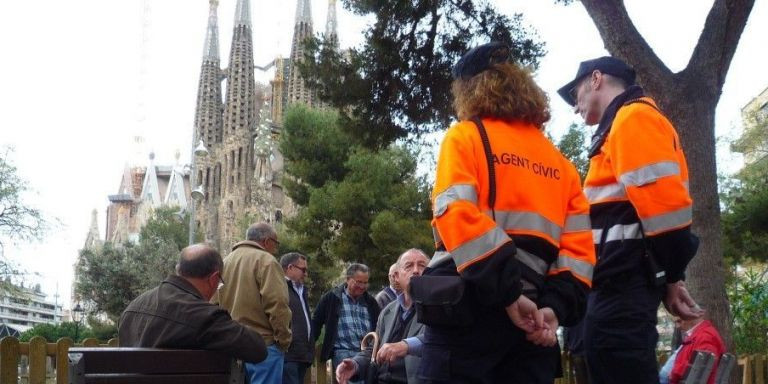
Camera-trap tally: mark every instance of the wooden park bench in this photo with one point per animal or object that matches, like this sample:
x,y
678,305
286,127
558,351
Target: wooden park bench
x,y
699,367
701,364
152,366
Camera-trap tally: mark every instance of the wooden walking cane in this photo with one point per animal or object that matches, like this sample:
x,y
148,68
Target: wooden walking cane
x,y
372,373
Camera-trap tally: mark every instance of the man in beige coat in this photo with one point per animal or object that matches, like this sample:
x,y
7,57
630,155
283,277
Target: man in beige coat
x,y
255,294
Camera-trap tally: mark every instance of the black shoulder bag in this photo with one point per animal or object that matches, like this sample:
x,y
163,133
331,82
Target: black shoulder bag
x,y
440,300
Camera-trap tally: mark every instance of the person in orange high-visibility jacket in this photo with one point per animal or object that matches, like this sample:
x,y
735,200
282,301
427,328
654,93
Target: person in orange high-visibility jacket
x,y
640,209
529,258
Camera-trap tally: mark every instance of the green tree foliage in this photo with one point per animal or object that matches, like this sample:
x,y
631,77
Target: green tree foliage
x,y
54,332
166,225
18,220
358,205
113,275
745,198
314,156
102,330
573,147
398,82
745,215
748,295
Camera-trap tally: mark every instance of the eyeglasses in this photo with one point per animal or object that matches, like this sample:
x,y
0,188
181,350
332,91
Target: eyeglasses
x,y
221,282
574,92
361,283
275,240
303,270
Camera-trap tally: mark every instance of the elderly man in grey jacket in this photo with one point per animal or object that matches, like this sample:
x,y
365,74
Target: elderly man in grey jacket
x,y
397,361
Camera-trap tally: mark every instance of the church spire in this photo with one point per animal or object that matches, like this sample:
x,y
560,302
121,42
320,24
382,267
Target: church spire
x,y
211,48
208,120
303,12
243,13
330,24
93,239
234,164
239,113
302,30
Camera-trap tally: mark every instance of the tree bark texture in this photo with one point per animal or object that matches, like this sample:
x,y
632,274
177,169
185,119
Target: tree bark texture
x,y
688,98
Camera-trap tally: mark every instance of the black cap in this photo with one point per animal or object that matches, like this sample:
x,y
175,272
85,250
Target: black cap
x,y
479,59
605,64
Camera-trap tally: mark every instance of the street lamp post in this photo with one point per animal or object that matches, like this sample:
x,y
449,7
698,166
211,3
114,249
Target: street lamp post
x,y
197,193
77,317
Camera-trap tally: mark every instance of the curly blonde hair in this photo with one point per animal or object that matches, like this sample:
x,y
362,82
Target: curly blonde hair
x,y
505,91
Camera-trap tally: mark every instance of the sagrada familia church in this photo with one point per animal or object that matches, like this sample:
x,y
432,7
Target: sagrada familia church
x,y
239,122
242,174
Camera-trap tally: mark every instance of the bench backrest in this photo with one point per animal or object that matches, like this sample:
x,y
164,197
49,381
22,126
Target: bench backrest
x,y
724,368
151,366
699,368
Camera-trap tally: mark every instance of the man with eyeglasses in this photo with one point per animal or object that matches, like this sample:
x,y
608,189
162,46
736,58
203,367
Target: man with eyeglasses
x,y
177,314
348,312
401,335
641,217
256,295
300,353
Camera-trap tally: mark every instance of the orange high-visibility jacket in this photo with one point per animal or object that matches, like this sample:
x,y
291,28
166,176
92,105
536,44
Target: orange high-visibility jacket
x,y
637,186
539,204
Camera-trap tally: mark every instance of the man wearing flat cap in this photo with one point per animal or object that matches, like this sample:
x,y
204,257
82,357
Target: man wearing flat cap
x,y
640,210
511,227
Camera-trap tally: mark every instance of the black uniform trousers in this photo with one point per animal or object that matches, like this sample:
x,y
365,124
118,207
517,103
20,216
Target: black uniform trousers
x,y
620,331
491,350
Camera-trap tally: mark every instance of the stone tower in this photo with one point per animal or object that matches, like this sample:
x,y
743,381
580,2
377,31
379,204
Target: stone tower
x,y
302,30
93,239
278,90
331,29
242,173
209,128
236,152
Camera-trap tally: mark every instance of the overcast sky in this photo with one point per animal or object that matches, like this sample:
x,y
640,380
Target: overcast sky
x,y
82,78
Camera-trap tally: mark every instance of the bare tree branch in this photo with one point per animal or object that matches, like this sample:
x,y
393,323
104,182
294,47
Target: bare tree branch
x,y
623,40
717,44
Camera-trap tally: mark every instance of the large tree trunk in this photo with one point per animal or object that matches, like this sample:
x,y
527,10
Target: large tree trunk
x,y
689,99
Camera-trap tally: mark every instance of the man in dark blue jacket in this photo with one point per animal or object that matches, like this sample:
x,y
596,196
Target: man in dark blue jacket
x,y
348,312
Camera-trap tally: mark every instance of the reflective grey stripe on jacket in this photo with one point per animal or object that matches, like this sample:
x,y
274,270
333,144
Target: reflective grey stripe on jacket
x,y
605,192
618,232
577,267
577,223
650,173
453,193
480,246
530,221
667,221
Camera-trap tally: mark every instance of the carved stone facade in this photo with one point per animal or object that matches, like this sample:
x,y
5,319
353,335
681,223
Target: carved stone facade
x,y
142,189
243,171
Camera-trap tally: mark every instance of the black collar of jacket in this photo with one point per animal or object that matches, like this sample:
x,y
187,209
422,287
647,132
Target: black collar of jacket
x,y
337,290
183,284
632,92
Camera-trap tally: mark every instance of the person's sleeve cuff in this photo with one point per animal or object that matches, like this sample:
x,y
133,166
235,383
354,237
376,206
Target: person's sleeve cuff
x,y
414,346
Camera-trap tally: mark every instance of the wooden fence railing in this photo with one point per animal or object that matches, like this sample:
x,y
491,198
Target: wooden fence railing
x,y
39,355
47,363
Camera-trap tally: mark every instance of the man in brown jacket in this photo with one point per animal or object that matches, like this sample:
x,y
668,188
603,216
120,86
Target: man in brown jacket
x,y
257,296
177,313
